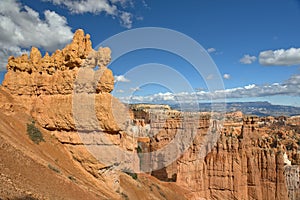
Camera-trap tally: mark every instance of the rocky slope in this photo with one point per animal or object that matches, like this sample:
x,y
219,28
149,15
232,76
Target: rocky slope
x,y
92,142
69,100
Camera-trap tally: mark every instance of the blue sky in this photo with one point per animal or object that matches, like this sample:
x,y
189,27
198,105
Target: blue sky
x,y
255,44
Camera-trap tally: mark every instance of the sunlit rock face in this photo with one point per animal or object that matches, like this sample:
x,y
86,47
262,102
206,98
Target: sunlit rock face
x,y
68,94
252,158
248,161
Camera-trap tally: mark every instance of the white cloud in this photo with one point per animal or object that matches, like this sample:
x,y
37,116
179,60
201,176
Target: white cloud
x,y
211,50
280,57
135,89
248,87
121,78
166,96
294,80
120,91
199,89
97,7
226,76
290,87
124,3
126,19
22,27
83,6
247,59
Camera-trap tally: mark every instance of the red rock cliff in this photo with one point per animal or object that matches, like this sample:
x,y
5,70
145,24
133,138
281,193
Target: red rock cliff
x,y
245,163
66,94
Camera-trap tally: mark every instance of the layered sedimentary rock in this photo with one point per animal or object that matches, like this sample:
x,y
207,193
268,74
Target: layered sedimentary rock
x,y
246,162
210,155
51,84
68,93
56,74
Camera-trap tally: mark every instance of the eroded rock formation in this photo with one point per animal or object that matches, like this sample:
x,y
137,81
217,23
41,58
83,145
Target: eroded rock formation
x,y
67,95
52,75
247,161
69,92
292,173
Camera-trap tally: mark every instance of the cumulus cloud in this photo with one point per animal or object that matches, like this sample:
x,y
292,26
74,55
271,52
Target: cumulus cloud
x,y
92,6
124,3
247,59
211,50
126,19
290,87
97,7
293,80
280,57
251,86
121,78
22,27
226,76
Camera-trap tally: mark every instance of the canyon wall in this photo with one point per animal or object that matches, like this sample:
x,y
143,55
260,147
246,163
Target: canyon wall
x,y
251,159
217,157
68,93
292,174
